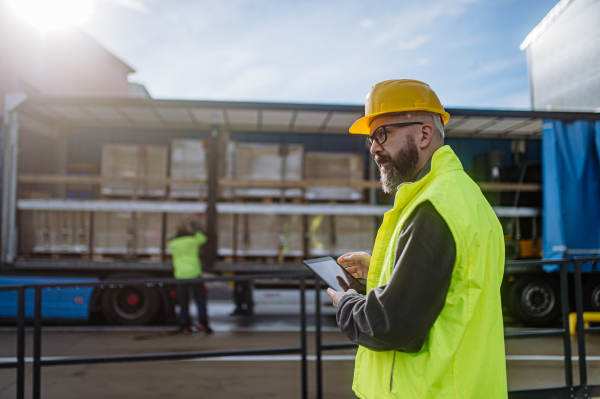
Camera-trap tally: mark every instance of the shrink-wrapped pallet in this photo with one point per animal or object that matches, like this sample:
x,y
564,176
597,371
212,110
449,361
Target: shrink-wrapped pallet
x,y
354,233
260,235
188,161
54,231
134,161
254,161
127,233
342,167
339,234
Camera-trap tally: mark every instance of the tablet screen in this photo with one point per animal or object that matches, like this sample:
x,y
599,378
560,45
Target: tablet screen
x,y
328,269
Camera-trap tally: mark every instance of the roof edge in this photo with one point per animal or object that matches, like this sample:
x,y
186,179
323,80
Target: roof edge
x,y
546,22
33,101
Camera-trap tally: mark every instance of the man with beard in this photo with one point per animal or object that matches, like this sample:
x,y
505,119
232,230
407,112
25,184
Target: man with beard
x,y
429,321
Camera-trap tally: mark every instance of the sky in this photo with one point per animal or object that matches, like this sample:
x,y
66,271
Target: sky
x,y
322,51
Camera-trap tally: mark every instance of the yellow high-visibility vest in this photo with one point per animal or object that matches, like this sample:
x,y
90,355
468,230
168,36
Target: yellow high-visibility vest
x,y
463,356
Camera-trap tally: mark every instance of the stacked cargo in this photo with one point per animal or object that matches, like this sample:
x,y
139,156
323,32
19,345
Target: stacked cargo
x,y
130,162
339,234
270,235
334,166
188,162
253,161
127,233
54,232
242,235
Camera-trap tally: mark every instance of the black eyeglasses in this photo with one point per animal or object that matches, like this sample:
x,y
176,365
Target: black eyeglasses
x,y
380,134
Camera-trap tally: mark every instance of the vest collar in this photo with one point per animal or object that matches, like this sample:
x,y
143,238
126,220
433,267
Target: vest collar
x,y
443,160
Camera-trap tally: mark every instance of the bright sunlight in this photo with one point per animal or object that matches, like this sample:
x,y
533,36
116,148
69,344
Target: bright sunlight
x,y
49,15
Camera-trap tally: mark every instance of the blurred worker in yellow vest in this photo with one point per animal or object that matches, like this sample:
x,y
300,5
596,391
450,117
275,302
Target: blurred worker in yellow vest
x,y
429,321
185,250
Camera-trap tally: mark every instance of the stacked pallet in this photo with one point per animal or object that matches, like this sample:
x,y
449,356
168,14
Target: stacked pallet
x,y
134,161
188,162
248,235
335,166
123,233
340,234
253,161
54,232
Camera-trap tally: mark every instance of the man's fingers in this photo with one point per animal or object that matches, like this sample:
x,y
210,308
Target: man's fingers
x,y
331,292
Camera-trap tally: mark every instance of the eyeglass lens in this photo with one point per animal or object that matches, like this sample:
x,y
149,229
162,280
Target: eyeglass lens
x,y
379,136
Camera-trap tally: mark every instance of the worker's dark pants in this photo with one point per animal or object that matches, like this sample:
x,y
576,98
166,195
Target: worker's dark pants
x,y
183,296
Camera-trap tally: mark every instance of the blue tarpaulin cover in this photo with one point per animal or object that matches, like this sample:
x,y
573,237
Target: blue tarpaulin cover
x,y
571,185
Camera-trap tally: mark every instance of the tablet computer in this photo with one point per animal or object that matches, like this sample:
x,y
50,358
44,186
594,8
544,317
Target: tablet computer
x,y
329,270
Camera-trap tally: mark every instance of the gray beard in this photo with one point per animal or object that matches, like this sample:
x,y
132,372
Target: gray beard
x,y
400,167
390,179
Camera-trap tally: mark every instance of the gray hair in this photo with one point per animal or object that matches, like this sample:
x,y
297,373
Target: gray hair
x,y
436,119
439,123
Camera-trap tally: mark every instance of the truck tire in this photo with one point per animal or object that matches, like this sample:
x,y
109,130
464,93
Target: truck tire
x,y
591,295
535,300
130,305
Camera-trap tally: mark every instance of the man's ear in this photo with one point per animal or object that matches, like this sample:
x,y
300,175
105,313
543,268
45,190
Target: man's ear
x,y
427,134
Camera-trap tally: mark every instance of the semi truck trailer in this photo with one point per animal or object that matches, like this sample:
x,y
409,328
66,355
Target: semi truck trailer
x,y
92,188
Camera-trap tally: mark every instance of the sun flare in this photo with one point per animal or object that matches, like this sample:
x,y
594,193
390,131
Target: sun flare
x,y
50,15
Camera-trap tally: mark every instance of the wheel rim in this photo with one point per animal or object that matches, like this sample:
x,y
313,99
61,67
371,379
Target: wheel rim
x,y
538,299
130,303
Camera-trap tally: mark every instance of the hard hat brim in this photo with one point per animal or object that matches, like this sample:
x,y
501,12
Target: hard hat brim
x,y
363,125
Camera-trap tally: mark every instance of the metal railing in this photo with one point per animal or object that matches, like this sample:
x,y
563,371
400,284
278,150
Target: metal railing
x,y
568,391
39,361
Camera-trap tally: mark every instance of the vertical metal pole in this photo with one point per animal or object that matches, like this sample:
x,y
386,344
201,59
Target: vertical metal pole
x,y
9,187
580,329
303,335
21,343
37,341
163,237
318,337
564,300
211,208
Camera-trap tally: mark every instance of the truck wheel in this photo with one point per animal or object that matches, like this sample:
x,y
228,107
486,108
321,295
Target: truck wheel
x,y
591,295
535,300
130,305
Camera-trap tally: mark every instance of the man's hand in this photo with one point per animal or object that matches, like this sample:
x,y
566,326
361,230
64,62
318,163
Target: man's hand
x,y
356,263
337,296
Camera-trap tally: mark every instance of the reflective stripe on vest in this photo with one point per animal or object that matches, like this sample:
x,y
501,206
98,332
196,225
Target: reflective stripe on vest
x,y
463,355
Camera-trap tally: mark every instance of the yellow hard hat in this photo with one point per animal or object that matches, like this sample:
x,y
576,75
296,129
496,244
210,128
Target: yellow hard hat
x,y
401,95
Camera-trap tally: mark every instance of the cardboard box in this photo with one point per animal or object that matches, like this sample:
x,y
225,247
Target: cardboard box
x,y
334,166
114,233
54,231
133,161
260,235
353,234
188,161
340,234
254,161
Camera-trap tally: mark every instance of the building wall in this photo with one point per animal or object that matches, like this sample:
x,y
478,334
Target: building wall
x,y
66,62
564,61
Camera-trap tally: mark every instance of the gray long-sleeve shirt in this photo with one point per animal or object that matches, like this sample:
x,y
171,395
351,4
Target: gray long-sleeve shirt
x,y
399,315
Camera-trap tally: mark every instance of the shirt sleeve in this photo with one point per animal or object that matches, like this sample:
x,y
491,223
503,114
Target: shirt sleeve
x,y
200,237
399,315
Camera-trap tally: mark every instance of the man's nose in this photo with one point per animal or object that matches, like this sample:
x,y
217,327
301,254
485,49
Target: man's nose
x,y
375,148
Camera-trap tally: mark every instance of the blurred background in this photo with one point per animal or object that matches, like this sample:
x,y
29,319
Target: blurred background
x,y
120,117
